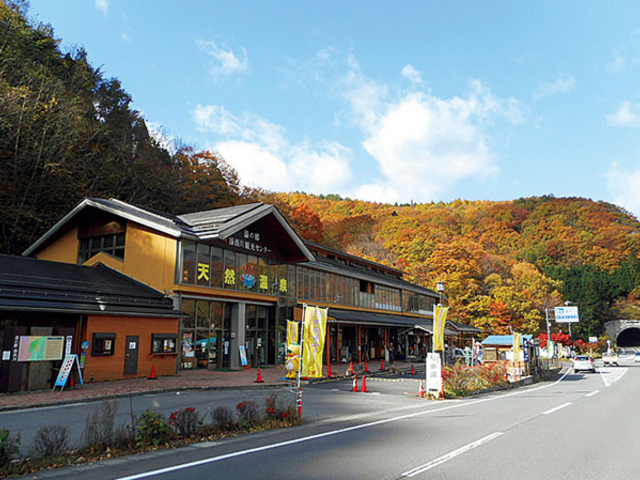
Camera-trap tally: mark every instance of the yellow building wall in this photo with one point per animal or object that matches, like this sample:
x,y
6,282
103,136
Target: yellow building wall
x,y
64,249
107,260
150,257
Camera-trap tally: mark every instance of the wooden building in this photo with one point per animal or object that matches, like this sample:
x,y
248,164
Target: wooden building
x,y
239,274
118,326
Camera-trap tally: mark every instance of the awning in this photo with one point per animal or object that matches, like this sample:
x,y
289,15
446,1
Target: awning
x,y
353,317
429,330
463,328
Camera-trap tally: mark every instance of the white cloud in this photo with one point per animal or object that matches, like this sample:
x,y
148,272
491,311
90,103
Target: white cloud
x,y
225,62
624,187
628,115
158,133
423,144
103,6
126,38
564,84
264,157
411,74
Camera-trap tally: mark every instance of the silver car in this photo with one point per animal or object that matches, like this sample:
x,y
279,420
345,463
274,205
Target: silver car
x,y
583,363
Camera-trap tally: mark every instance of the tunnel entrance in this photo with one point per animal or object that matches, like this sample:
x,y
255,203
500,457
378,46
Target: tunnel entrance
x,y
629,338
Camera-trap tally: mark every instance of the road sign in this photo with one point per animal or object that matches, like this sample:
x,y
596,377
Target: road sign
x,y
567,315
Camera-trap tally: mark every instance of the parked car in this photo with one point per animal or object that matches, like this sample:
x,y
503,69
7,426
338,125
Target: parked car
x,y
636,357
610,359
583,363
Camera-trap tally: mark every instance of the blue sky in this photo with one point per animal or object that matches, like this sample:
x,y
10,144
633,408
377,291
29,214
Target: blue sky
x,y
384,101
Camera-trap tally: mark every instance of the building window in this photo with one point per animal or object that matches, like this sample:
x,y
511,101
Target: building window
x,y
164,343
113,244
103,344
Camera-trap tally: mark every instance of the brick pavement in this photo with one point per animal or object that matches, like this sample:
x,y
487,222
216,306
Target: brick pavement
x,y
205,379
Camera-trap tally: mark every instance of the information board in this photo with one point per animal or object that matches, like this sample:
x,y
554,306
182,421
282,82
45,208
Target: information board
x,y
40,348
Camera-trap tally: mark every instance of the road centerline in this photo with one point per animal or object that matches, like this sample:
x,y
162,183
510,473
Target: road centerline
x,y
555,409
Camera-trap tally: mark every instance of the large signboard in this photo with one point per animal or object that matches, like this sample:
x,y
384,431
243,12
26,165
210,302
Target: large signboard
x,y
40,348
566,315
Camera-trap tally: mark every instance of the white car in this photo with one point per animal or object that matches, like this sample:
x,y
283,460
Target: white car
x,y
636,357
583,363
610,359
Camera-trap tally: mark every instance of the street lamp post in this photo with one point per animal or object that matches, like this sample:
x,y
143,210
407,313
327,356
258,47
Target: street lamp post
x,y
440,289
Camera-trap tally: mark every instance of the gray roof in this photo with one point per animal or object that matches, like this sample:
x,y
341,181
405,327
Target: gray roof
x,y
28,284
384,319
220,223
333,266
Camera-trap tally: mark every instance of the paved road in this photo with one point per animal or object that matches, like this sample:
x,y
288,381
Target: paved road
x,y
582,426
322,402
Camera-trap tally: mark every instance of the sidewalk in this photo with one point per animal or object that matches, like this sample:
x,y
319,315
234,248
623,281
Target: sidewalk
x,y
272,376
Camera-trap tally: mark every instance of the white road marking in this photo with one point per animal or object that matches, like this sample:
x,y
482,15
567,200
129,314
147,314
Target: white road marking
x,y
609,377
331,433
592,393
450,455
555,409
621,375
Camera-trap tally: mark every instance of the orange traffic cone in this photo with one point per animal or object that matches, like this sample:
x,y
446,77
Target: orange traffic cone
x,y
153,372
355,384
364,384
329,371
382,365
413,370
259,378
421,389
350,369
366,366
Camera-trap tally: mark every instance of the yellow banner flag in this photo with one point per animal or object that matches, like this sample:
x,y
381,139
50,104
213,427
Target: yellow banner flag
x,y
439,321
315,327
292,332
517,342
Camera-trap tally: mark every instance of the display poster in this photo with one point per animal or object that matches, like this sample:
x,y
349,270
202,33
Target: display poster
x,y
187,345
243,355
40,348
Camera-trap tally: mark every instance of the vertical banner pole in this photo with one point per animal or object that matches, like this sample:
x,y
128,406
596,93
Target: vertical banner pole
x,y
304,311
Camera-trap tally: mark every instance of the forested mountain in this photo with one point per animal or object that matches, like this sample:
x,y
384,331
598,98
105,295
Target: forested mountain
x,y
503,263
68,132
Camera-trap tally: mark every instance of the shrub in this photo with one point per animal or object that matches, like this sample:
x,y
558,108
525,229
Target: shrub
x,y
99,429
223,419
185,422
461,379
9,447
51,442
124,436
279,407
249,413
152,429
